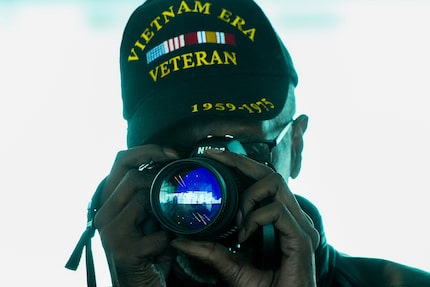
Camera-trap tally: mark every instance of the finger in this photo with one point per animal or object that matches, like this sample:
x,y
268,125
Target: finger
x,y
266,188
133,182
210,253
233,270
136,216
278,214
132,159
135,156
130,250
274,188
249,167
269,184
124,233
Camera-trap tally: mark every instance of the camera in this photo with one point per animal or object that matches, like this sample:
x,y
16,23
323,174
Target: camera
x,y
198,197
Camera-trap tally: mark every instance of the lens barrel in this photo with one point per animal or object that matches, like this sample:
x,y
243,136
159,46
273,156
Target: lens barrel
x,y
196,198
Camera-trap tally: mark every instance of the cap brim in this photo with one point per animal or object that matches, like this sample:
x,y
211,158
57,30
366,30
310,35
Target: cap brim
x,y
256,102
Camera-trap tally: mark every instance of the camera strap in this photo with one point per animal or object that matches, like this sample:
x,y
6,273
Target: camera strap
x,y
269,256
271,252
85,242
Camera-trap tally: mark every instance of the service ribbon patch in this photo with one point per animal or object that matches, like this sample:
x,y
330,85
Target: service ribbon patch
x,y
193,38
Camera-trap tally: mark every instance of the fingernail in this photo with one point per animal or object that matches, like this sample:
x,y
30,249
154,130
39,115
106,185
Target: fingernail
x,y
178,243
170,152
241,236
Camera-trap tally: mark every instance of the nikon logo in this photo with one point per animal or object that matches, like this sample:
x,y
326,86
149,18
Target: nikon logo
x,y
201,149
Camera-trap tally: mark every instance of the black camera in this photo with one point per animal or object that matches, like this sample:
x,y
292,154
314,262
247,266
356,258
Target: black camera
x,y
198,197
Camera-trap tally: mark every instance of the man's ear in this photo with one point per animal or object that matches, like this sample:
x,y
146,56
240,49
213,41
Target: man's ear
x,y
299,127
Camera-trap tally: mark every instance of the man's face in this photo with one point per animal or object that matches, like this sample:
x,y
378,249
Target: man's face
x,y
183,138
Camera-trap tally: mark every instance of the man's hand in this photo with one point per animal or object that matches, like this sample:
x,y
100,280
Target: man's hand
x,y
136,248
298,237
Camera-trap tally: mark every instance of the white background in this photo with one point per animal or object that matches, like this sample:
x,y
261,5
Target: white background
x,y
363,68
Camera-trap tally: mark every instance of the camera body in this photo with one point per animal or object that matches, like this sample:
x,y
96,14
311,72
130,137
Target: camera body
x,y
198,197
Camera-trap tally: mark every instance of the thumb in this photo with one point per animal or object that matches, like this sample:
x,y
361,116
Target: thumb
x,y
211,253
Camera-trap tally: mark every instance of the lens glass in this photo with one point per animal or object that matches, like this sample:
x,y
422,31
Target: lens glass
x,y
190,199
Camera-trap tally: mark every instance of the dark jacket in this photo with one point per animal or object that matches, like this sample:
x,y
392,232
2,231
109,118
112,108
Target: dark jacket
x,y
335,269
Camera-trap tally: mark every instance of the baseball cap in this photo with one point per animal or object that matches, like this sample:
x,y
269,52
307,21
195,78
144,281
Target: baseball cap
x,y
189,58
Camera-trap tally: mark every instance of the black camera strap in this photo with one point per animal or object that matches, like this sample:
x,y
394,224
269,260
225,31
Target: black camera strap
x,y
85,242
270,256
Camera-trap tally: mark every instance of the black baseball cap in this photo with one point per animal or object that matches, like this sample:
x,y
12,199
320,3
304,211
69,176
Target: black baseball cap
x,y
182,59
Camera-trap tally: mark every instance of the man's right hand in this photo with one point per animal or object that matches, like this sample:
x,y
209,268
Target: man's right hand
x,y
135,246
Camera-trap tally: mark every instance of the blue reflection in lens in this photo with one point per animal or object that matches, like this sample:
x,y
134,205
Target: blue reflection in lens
x,y
191,200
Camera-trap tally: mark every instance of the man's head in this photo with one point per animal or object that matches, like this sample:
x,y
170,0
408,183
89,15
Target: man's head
x,y
190,69
201,59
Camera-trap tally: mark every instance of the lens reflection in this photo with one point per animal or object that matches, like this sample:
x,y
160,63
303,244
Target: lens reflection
x,y
191,199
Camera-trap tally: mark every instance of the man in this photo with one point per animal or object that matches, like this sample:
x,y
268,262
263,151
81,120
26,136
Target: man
x,y
215,70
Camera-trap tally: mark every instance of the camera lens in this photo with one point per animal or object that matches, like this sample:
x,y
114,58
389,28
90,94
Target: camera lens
x,y
195,197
